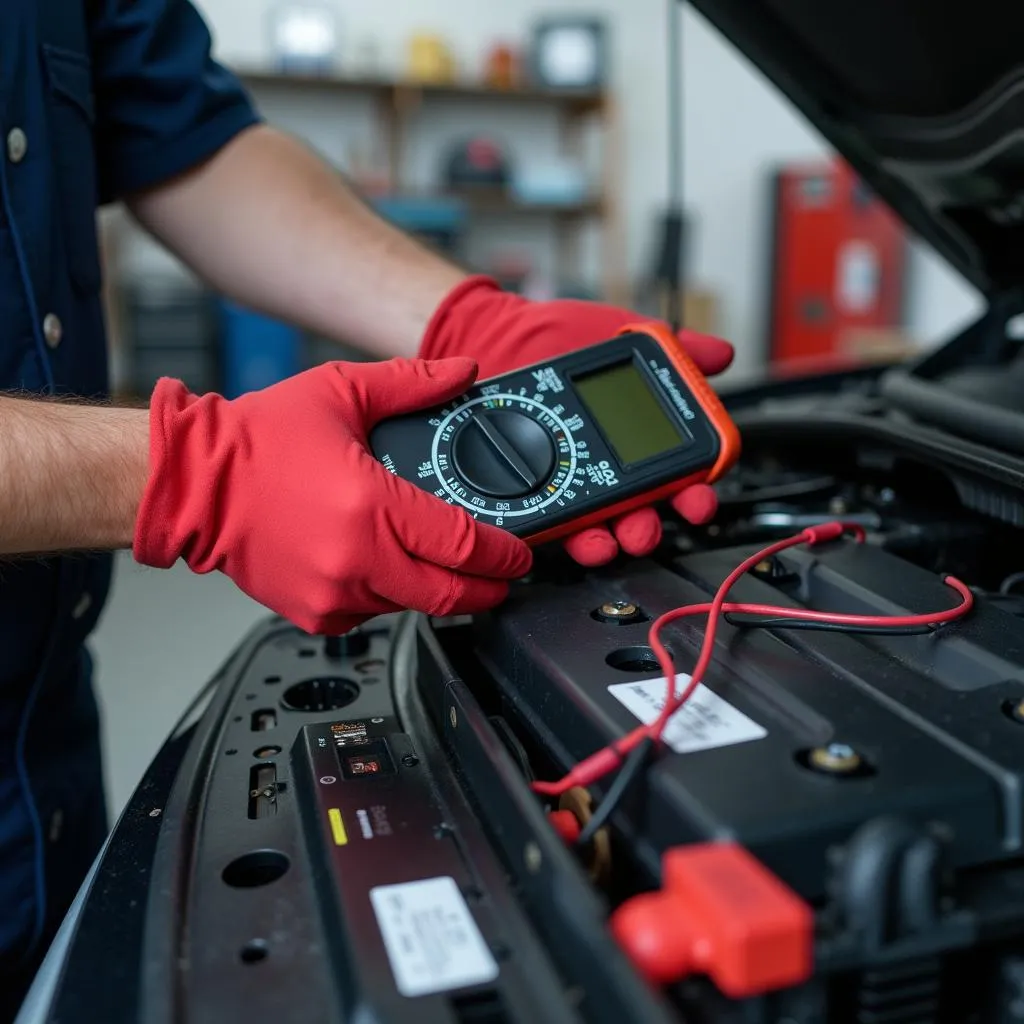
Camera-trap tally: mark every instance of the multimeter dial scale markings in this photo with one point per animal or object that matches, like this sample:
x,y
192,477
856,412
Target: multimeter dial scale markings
x,y
505,455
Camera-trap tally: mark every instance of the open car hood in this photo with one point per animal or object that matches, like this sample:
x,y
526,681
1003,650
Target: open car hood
x,y
925,100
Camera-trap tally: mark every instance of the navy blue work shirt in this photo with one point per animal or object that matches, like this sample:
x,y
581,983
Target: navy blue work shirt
x,y
98,99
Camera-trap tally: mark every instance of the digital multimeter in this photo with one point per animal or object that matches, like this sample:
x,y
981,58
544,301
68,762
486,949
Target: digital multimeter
x,y
549,449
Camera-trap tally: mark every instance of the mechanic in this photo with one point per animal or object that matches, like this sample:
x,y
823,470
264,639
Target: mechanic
x,y
107,100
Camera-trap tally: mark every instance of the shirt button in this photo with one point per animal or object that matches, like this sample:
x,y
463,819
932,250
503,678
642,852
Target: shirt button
x,y
17,145
53,329
83,605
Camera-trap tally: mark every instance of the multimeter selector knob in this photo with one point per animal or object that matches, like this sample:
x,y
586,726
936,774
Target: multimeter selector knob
x,y
503,454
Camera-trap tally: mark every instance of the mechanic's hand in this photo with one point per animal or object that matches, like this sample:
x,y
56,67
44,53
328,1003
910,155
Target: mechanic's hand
x,y
502,332
278,490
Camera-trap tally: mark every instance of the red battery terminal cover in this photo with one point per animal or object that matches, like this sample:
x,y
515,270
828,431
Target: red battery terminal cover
x,y
722,914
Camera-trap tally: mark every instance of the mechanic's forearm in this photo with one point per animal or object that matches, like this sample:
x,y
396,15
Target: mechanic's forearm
x,y
71,476
268,223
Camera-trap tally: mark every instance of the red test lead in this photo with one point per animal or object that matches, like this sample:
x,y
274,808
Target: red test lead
x,y
606,760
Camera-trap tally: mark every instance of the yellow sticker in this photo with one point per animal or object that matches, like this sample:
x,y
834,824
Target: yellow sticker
x,y
337,826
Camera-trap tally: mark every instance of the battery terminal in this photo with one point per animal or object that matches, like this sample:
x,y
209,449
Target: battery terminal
x,y
722,914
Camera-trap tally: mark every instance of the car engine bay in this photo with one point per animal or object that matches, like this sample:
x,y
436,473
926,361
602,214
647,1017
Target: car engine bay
x,y
874,779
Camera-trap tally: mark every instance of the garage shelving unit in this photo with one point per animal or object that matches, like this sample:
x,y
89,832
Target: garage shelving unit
x,y
398,102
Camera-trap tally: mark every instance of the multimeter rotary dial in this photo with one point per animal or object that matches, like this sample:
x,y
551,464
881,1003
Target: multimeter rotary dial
x,y
504,455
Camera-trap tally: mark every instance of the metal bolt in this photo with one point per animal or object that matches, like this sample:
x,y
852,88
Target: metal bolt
x,y
453,716
155,813
533,858
836,759
410,760
619,609
837,506
377,721
772,569
621,613
768,568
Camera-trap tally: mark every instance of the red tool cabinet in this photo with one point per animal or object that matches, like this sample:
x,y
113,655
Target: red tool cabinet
x,y
837,265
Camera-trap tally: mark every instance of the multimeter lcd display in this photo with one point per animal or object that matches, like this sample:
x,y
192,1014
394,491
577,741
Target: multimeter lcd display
x,y
629,414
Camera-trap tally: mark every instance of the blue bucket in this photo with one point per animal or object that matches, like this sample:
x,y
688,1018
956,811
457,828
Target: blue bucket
x,y
257,351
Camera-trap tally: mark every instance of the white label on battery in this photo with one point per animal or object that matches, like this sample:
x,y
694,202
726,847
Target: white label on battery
x,y
432,941
704,722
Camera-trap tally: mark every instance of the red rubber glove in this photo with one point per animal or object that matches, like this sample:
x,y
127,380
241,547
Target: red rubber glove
x,y
278,491
503,332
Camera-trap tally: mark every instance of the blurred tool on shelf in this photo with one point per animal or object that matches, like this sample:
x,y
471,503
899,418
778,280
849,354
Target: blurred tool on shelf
x,y
477,162
430,60
303,39
503,68
570,52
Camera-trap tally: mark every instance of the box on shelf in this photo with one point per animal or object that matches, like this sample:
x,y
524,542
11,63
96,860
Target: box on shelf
x,y
551,182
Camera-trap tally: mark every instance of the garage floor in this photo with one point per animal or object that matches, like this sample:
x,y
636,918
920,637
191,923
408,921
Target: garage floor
x,y
162,636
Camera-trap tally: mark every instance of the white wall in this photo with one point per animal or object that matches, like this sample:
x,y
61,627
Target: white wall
x,y
737,127
736,130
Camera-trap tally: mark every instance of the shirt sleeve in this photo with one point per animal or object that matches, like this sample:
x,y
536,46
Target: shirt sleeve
x,y
163,104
